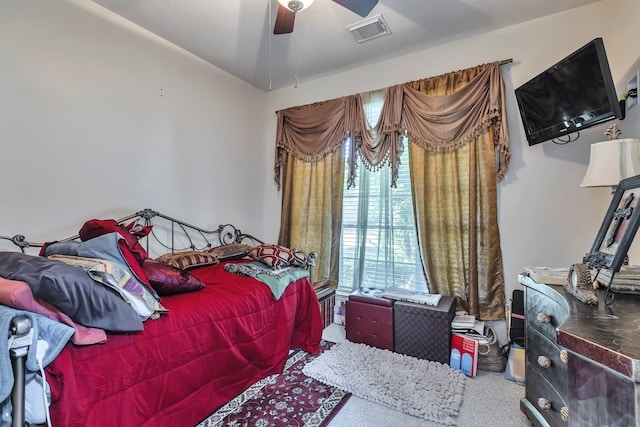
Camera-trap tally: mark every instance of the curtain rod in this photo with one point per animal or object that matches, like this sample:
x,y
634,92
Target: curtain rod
x,y
503,62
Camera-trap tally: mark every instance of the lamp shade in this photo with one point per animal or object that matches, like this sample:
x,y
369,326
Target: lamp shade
x,y
612,161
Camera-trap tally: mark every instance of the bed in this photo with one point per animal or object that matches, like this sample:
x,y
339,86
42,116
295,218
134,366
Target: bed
x,y
199,348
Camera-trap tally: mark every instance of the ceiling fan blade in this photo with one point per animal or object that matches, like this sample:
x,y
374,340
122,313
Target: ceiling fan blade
x,y
284,21
361,7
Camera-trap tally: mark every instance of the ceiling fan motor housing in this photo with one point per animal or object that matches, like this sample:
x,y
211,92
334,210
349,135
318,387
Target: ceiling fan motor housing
x,y
295,5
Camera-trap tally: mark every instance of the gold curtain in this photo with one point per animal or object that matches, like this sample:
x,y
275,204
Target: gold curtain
x,y
311,217
310,168
458,149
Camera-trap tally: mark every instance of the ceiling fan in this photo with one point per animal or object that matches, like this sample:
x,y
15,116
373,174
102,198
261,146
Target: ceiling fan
x,y
287,10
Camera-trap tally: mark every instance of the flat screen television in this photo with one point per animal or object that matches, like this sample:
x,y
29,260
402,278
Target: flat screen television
x,y
574,94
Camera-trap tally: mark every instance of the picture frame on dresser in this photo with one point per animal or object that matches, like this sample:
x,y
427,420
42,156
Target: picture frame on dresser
x,y
618,228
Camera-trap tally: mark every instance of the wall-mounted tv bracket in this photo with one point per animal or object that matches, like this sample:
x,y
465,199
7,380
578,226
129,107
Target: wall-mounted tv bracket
x,y
630,98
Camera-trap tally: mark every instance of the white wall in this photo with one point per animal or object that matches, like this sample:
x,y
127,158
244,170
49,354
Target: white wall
x,y
98,118
545,218
624,58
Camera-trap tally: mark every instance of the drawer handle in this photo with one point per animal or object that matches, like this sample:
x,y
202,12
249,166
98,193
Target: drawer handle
x,y
564,413
544,404
544,361
543,318
564,356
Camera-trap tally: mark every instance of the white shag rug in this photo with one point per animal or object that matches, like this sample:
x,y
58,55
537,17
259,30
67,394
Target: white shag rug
x,y
429,390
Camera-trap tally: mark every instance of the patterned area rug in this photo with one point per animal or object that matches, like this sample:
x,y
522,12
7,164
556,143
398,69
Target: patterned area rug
x,y
428,390
290,399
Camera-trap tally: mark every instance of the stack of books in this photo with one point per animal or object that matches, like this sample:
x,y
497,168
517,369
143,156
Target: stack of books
x,y
469,326
462,322
467,335
626,280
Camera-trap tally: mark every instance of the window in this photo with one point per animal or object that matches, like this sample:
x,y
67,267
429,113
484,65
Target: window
x,y
379,240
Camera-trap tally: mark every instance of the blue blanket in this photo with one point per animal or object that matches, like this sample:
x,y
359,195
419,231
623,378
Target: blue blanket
x,y
54,333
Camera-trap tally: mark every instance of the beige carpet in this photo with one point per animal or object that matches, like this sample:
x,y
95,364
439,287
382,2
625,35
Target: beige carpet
x,y
424,389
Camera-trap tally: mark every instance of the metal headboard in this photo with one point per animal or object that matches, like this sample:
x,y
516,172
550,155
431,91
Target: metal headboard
x,y
181,236
193,238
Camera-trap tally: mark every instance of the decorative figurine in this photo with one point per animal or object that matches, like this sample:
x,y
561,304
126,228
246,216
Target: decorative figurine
x,y
580,284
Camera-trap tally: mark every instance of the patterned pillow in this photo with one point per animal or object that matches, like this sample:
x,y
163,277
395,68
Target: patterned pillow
x,y
298,258
188,259
276,256
230,251
169,280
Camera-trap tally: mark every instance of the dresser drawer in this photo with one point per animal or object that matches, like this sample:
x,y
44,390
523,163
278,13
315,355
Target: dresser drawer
x,y
545,398
546,357
544,313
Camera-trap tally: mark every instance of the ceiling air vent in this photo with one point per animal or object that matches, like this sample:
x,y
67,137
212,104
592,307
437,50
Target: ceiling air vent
x,y
369,29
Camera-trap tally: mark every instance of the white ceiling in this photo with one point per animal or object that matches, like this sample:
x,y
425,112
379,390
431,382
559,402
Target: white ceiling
x,y
236,35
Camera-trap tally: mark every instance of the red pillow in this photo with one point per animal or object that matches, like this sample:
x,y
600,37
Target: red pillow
x,y
168,280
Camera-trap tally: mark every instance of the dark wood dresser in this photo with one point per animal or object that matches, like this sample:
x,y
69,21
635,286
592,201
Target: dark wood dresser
x,y
582,361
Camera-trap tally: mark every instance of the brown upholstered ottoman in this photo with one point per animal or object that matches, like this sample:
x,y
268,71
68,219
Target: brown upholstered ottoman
x,y
422,330
369,320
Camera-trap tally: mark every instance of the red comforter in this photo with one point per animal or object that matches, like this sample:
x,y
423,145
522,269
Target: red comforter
x,y
211,345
